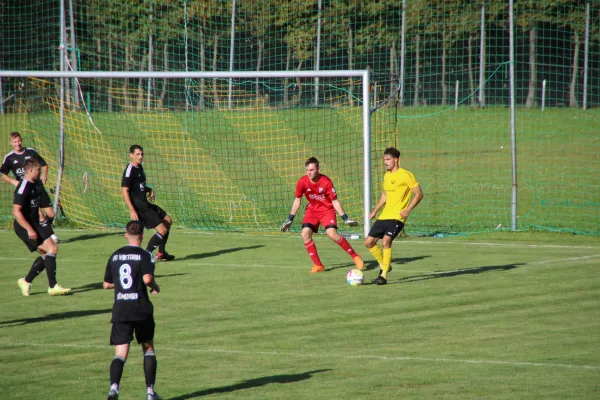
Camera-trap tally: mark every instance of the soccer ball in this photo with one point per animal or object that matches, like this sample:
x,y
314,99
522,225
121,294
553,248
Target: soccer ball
x,y
355,277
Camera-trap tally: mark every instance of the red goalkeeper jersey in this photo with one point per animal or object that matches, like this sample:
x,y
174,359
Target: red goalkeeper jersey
x,y
319,194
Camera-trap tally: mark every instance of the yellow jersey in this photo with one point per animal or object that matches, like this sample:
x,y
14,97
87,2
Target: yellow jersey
x,y
397,187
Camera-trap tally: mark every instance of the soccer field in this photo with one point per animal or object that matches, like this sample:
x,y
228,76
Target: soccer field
x,y
494,316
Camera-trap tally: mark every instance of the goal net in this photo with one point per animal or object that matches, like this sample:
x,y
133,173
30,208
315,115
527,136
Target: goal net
x,y
220,153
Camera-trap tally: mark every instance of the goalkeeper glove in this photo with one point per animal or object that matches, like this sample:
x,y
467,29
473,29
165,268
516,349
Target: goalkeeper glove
x,y
287,224
348,221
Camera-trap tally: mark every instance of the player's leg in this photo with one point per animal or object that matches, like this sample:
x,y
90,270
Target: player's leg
x,y
120,336
341,241
392,229
50,250
144,333
308,227
377,231
150,218
32,244
162,252
36,268
47,213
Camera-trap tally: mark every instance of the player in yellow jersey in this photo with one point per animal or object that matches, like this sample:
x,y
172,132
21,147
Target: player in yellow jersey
x,y
398,185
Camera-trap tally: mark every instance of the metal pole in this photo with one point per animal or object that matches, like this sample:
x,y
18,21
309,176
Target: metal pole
x,y
150,53
586,53
61,149
456,96
318,54
402,51
482,59
543,94
513,132
231,53
1,98
185,38
366,152
74,84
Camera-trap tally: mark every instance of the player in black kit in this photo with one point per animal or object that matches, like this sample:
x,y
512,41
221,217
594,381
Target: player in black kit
x,y
136,193
26,207
129,271
13,162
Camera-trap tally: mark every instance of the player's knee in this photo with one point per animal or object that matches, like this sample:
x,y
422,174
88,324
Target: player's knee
x,y
49,247
167,221
306,235
162,229
147,346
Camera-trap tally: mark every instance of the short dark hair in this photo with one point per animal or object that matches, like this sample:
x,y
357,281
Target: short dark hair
x,y
134,228
31,163
392,151
15,135
312,160
135,147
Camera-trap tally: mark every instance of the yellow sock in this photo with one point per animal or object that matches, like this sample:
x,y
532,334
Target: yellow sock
x,y
377,255
387,261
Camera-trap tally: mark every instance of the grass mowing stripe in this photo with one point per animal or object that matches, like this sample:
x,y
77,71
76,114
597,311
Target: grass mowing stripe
x,y
326,355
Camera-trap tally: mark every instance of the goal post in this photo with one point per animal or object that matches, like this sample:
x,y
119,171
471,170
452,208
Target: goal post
x,y
214,164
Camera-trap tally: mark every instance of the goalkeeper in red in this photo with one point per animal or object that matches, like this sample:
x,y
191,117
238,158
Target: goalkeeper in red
x,y
321,210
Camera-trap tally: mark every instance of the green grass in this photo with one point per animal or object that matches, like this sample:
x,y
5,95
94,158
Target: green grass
x,y
492,316
236,171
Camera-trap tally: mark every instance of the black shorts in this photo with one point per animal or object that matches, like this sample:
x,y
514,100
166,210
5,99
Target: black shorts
x,y
45,201
151,215
386,227
122,332
43,233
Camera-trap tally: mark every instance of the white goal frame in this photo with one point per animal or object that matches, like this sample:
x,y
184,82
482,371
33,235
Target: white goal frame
x,y
366,111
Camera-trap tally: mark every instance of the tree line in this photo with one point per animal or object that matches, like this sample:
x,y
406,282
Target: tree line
x,y
444,43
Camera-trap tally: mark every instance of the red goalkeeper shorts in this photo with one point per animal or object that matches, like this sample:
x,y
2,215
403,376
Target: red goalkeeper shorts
x,y
327,219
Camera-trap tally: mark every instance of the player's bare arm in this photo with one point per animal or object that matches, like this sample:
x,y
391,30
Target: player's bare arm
x,y
44,174
127,198
151,283
107,285
380,203
290,219
340,210
417,197
8,179
150,193
18,214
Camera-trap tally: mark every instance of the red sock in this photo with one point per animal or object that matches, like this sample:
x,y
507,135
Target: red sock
x,y
343,243
312,252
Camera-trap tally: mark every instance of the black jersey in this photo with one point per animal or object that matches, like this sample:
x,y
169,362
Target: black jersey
x,y
27,195
134,178
13,162
126,268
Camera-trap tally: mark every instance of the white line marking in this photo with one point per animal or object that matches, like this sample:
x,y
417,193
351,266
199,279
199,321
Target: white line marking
x,y
310,355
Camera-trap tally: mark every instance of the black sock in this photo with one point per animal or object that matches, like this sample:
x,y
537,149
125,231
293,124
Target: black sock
x,y
50,263
161,246
116,370
154,242
36,268
150,366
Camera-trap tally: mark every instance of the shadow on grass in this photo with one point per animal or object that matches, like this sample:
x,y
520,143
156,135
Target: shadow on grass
x,y
53,317
89,236
251,383
87,288
456,272
372,264
217,253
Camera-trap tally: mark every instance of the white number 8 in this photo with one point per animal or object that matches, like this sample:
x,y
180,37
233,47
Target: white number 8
x,y
125,276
